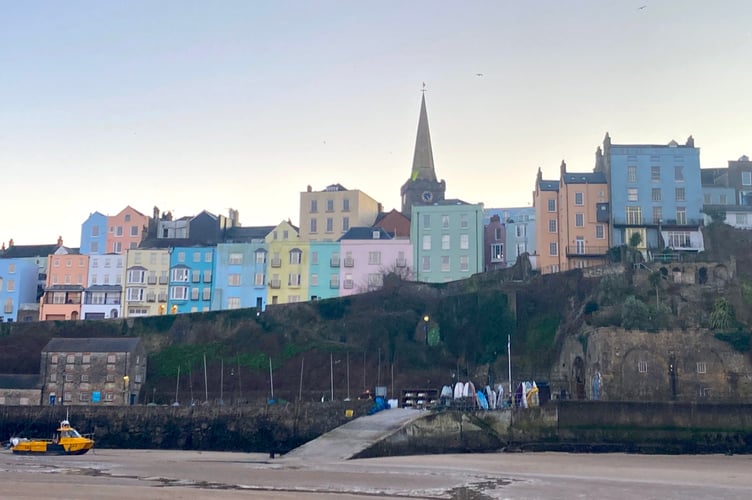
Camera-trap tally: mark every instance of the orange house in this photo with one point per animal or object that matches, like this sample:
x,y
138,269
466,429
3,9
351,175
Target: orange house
x,y
126,230
67,275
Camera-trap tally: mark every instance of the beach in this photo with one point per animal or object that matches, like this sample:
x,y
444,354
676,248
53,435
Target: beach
x,y
155,474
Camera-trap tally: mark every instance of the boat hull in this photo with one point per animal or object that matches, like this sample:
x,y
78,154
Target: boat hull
x,y
52,449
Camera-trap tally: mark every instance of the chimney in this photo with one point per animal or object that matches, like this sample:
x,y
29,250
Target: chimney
x,y
10,242
59,241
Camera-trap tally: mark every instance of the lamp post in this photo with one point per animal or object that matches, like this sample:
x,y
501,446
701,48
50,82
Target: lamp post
x,y
126,379
426,319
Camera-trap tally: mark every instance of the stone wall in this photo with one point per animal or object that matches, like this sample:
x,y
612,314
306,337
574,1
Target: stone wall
x,y
683,365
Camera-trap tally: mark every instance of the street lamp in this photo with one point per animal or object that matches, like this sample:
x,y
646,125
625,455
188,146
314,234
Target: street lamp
x,y
126,379
425,326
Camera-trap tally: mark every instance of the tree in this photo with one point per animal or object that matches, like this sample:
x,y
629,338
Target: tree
x,y
635,240
723,316
655,281
635,314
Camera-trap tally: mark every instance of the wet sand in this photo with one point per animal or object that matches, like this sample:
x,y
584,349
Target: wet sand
x,y
149,474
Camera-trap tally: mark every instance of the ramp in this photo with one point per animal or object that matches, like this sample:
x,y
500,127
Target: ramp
x,y
347,440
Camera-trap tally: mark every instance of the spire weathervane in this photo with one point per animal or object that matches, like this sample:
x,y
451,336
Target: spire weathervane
x,y
423,90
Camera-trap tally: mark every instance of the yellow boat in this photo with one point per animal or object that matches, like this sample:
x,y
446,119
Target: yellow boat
x,y
67,441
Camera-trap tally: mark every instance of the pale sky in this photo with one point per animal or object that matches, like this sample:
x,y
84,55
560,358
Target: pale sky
x,y
193,105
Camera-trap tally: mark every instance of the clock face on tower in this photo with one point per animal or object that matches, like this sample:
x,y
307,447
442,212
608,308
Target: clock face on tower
x,y
427,196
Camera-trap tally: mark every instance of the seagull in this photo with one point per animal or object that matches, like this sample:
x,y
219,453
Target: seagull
x,y
641,7
479,75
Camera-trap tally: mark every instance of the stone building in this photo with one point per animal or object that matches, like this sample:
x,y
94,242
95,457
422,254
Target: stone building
x,y
93,371
19,390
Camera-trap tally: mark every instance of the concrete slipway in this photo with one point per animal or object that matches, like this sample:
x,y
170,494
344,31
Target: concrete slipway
x,y
361,433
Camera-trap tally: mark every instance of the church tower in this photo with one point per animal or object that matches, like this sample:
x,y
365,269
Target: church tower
x,y
422,188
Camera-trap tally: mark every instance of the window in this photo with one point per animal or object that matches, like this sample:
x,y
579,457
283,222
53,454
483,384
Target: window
x,y
259,279
119,231
109,396
135,294
94,247
179,293
233,279
521,230
634,215
312,226
680,194
657,215
11,285
260,257
463,221
655,173
314,206
445,263
233,302
552,205
579,220
375,280
180,274
206,294
552,225
496,252
464,263
578,199
425,263
464,241
83,396
293,279
111,359
345,224
314,280
195,276
95,231
632,173
329,225
84,377
445,242
741,219
330,205
553,248
642,366
632,194
374,258
208,256
723,199
656,194
346,205
181,256
599,232
497,233
86,359
426,221
135,276
678,173
681,215
702,367
426,242
134,230
295,256
70,358
746,178
236,258
445,221
678,239
706,199
196,256
314,258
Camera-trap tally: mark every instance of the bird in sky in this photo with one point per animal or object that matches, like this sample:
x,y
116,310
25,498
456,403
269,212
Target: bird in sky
x,y
479,75
641,7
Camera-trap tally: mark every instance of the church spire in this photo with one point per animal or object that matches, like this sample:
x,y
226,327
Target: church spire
x,y
423,158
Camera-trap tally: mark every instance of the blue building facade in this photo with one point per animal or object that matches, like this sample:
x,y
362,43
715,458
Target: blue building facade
x,y
191,278
239,278
520,230
656,192
18,285
324,270
94,234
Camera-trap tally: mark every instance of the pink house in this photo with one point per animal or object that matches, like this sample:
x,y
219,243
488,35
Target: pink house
x,y
126,230
367,255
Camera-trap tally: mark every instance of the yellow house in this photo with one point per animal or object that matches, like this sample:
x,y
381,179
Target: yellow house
x,y
327,215
146,282
546,204
288,265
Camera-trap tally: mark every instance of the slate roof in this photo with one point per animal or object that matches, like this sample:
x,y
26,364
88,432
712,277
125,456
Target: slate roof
x,y
22,381
548,185
22,251
584,178
65,288
95,344
241,234
104,288
365,233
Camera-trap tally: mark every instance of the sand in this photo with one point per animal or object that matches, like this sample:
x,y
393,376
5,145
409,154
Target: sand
x,y
151,474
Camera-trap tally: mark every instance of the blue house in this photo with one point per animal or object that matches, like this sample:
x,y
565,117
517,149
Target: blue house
x,y
656,192
18,285
324,270
94,234
191,278
240,276
520,230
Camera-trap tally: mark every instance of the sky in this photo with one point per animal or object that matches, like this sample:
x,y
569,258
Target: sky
x,y
195,105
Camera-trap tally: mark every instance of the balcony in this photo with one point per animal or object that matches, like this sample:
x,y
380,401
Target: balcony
x,y
334,262
162,297
163,280
276,263
275,284
349,262
150,297
151,280
586,251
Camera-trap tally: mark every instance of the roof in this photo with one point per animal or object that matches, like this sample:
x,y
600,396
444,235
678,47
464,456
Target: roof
x,y
21,251
95,344
241,234
584,178
548,185
104,288
394,213
23,381
423,167
365,233
64,288
453,201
